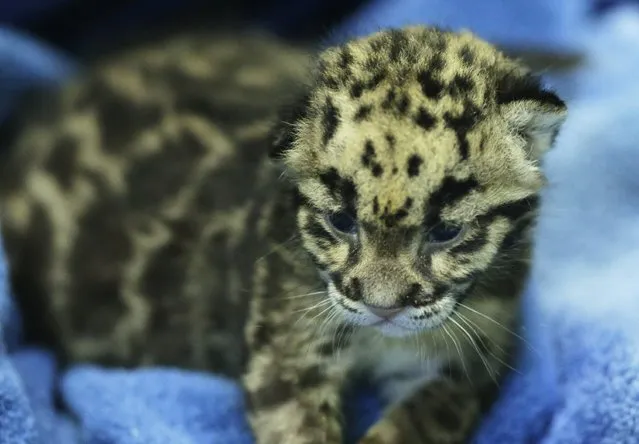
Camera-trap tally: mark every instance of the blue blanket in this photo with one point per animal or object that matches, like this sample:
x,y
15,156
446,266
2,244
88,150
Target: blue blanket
x,y
577,380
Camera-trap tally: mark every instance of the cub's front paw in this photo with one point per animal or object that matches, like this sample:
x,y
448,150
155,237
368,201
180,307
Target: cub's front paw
x,y
297,423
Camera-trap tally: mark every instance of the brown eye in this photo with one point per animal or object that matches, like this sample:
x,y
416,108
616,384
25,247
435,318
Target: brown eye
x,y
343,222
443,232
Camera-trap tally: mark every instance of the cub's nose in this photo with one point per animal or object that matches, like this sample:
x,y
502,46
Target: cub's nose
x,y
384,312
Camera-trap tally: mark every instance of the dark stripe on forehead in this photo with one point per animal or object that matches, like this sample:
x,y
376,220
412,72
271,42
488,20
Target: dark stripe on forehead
x,y
340,188
450,192
330,120
461,125
331,180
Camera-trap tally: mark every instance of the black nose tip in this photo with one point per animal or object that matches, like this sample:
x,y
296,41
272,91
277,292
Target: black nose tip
x,y
384,312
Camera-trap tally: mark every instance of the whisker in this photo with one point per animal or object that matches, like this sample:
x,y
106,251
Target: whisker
x,y
468,322
319,329
312,307
327,322
276,247
346,334
459,352
338,337
506,329
306,310
447,351
345,337
330,307
473,326
298,296
419,348
479,353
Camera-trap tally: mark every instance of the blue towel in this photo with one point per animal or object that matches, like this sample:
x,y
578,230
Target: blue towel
x,y
541,23
577,380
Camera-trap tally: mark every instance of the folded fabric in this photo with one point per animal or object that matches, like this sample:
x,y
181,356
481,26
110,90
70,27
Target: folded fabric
x,y
539,23
577,380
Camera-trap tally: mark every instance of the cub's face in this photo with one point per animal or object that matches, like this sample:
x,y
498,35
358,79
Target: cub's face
x,y
416,155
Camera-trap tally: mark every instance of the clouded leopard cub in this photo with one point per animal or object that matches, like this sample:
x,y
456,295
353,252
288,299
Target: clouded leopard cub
x,y
380,223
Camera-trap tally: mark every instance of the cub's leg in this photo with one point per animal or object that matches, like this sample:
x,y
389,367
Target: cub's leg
x,y
442,400
294,378
443,411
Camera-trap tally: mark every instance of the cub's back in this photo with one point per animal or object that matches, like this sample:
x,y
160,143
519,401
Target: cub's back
x,y
127,195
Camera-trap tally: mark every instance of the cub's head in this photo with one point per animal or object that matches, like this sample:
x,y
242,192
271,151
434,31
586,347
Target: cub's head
x,y
416,154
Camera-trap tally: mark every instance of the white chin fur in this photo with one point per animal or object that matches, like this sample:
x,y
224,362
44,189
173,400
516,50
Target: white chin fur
x,y
393,330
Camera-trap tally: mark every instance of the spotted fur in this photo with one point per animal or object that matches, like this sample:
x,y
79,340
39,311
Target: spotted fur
x,y
158,212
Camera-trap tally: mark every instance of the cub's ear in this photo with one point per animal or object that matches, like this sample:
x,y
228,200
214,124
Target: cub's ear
x,y
532,111
282,136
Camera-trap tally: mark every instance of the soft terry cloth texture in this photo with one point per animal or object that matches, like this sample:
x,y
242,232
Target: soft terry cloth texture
x,y
537,23
577,381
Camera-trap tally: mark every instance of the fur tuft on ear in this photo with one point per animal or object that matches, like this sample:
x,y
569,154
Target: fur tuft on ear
x,y
282,134
535,113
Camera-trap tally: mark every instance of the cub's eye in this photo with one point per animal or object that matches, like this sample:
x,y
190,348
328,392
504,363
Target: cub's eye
x,y
343,222
444,232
